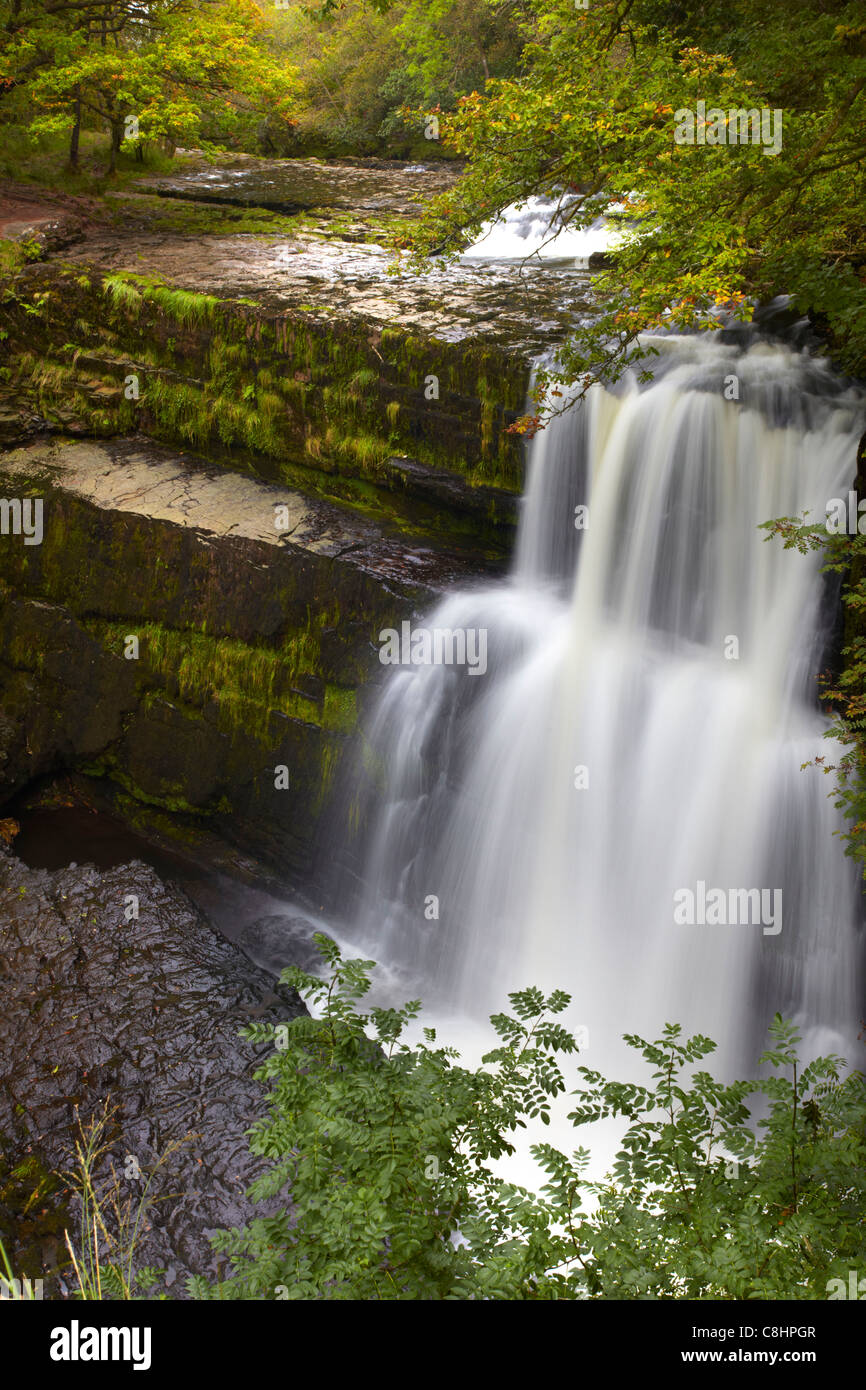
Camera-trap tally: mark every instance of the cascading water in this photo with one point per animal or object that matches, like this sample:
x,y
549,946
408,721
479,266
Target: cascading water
x,y
535,230
648,702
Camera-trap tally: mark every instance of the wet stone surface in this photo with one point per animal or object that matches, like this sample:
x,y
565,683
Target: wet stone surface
x,y
144,1013
140,477
280,939
329,279
361,187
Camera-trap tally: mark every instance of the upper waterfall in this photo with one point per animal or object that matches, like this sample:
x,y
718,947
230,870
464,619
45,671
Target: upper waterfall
x,y
536,230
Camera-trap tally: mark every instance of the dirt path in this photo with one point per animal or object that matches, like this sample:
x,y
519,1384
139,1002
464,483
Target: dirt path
x,y
23,207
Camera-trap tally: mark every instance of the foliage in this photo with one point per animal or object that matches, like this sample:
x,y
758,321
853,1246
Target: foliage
x,y
43,159
284,79
360,65
15,254
185,70
591,118
378,1165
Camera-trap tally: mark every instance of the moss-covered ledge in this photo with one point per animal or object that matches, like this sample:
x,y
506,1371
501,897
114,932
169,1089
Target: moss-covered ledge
x,y
342,407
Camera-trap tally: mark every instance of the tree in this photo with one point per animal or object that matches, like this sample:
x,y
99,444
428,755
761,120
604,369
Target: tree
x,y
187,70
380,1150
361,64
598,113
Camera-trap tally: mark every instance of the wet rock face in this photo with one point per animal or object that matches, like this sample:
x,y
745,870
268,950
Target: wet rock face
x,y
280,374
254,645
288,185
47,233
50,218
288,350
332,279
146,1013
278,940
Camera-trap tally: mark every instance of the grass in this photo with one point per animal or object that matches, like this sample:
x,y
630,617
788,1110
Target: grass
x,y
15,1290
44,160
188,307
111,1225
113,1217
121,291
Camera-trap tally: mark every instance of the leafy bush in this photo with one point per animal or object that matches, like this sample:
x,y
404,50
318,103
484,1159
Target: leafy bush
x,y
378,1155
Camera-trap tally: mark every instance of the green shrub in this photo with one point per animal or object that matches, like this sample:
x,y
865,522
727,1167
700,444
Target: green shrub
x,y
380,1153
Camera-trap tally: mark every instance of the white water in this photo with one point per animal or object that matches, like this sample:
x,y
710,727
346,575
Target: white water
x,y
606,648
534,230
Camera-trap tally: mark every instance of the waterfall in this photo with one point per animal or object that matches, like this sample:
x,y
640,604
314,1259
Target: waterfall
x,y
534,231
648,702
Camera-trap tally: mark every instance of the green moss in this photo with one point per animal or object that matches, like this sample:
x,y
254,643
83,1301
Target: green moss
x,y
226,357
230,418
180,217
269,403
365,450
20,652
127,291
146,819
246,683
171,798
340,712
317,402
56,389
180,411
329,762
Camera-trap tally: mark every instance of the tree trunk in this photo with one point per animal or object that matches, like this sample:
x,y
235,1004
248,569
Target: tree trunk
x,y
116,141
75,137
